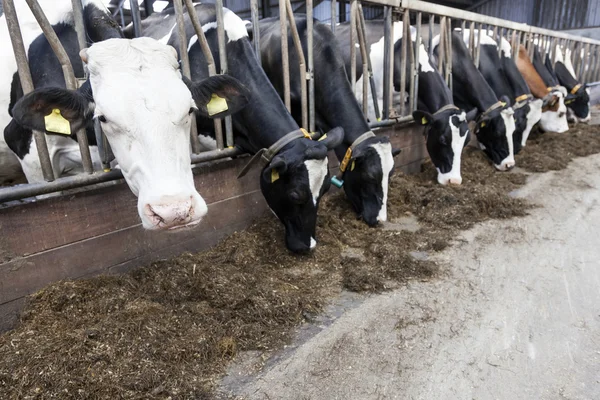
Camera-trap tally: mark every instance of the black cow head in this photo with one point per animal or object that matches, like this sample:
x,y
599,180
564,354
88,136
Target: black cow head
x,y
367,177
293,183
494,132
520,117
447,134
579,103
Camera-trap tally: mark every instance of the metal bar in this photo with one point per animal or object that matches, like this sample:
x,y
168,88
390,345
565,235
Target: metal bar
x,y
223,62
478,47
430,42
442,45
149,7
16,39
77,181
415,93
362,25
449,55
387,55
185,67
311,66
70,80
472,39
79,24
411,59
285,58
403,58
584,56
136,17
333,15
301,62
390,71
353,41
365,65
255,29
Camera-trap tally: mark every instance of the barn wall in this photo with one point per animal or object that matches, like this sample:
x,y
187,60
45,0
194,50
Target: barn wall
x,y
98,231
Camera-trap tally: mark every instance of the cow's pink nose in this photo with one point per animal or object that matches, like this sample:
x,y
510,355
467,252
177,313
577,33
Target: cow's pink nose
x,y
170,213
455,181
509,165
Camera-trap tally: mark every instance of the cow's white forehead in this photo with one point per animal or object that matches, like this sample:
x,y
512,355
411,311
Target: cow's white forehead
x,y
317,172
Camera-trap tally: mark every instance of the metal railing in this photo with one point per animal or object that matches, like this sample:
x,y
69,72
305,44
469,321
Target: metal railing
x,y
584,52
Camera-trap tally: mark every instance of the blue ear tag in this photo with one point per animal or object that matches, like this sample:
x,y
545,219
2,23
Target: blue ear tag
x,y
337,182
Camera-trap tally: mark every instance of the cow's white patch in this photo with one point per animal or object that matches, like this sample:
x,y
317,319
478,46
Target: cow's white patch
x,y
509,123
192,41
533,117
384,150
458,143
485,38
506,48
138,88
165,39
556,121
424,60
234,26
317,172
559,55
568,63
313,243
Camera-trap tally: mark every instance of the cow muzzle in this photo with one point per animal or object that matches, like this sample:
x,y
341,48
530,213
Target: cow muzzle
x,y
170,213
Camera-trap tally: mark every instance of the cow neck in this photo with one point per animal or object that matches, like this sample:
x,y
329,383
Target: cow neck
x,y
491,68
434,94
515,79
564,76
542,70
265,119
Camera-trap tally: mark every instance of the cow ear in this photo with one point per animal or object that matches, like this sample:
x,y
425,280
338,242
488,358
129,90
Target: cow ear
x,y
471,115
422,117
395,152
333,138
218,96
54,110
276,168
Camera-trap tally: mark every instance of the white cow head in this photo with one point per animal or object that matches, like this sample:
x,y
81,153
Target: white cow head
x,y
136,91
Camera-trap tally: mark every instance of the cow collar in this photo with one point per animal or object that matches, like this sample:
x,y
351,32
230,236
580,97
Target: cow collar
x,y
265,155
576,88
445,108
493,107
348,155
522,101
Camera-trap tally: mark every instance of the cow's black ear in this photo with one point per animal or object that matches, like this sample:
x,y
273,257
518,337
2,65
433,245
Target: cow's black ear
x,y
53,110
218,96
422,117
505,100
395,152
276,168
471,115
333,138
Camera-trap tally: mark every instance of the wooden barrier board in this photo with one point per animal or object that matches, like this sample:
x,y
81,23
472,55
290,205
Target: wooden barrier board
x,y
98,231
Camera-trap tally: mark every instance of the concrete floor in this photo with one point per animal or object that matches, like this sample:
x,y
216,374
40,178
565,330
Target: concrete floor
x,y
516,315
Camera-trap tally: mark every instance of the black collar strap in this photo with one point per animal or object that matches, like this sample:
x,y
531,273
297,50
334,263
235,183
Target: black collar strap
x,y
445,108
348,155
265,156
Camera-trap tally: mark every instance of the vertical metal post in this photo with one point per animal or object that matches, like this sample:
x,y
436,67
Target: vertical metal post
x,y
403,59
16,39
136,17
442,45
311,64
387,38
185,69
149,7
415,93
353,41
411,59
365,65
223,62
472,39
430,42
70,80
478,47
390,71
449,55
301,62
463,25
285,54
255,29
79,24
584,57
362,27
333,15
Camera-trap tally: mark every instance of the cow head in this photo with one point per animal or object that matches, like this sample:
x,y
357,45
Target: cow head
x,y
494,132
366,178
293,183
554,112
447,134
136,91
579,103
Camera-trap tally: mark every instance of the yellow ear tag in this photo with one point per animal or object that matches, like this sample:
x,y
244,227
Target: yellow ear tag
x,y
353,165
424,121
216,105
274,175
482,125
322,137
56,123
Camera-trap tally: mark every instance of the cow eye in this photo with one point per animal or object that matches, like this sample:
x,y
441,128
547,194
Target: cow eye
x,y
102,118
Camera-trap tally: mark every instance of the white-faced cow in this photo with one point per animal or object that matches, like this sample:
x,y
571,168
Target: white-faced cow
x,y
578,99
366,160
446,125
501,73
495,124
553,108
136,91
296,174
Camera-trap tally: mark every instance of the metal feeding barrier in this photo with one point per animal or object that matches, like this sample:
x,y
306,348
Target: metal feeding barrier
x,y
585,54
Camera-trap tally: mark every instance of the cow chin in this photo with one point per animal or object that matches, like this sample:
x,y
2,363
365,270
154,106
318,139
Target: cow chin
x,y
298,241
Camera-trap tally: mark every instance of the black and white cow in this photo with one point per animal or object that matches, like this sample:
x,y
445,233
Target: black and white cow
x,y
501,73
578,99
495,124
294,181
135,89
446,126
546,72
371,161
